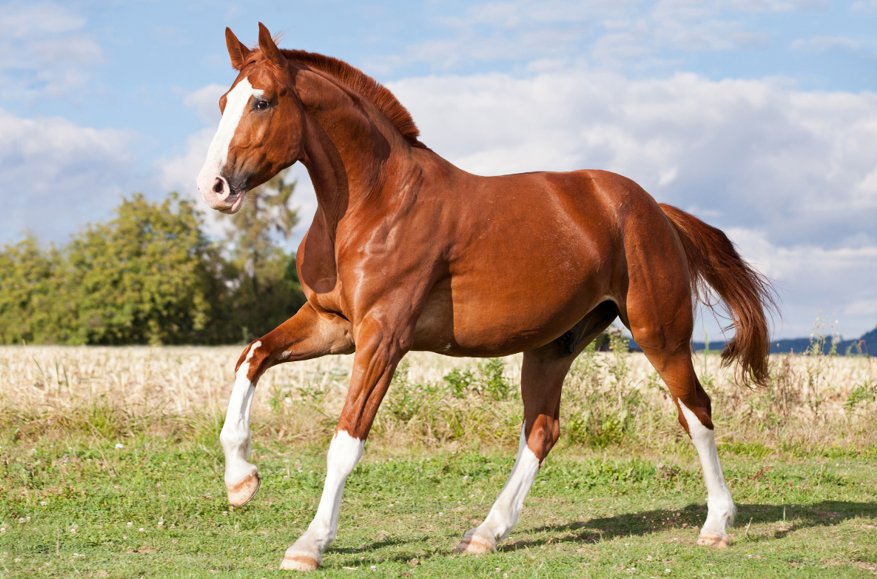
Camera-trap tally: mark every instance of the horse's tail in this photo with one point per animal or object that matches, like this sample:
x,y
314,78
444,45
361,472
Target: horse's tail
x,y
713,260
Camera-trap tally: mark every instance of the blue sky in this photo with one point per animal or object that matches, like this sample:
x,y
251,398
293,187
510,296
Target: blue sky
x,y
758,116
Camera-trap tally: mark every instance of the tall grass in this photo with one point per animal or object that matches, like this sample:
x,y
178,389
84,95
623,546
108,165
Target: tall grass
x,y
815,403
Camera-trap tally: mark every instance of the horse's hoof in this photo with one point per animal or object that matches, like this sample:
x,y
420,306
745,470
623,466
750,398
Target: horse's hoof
x,y
243,492
711,539
475,545
298,562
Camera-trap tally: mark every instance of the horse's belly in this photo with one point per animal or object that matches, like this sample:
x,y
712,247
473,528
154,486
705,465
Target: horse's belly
x,y
485,317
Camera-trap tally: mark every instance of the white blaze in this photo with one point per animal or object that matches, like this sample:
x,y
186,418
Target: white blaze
x,y
217,154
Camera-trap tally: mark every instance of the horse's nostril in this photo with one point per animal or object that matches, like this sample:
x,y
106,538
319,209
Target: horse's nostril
x,y
218,185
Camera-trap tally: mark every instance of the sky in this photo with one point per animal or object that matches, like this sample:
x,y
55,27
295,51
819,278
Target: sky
x,y
758,116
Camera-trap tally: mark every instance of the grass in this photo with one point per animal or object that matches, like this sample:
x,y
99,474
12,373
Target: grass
x,y
157,509
622,490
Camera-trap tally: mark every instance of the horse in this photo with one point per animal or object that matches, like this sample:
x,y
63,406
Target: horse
x,y
408,252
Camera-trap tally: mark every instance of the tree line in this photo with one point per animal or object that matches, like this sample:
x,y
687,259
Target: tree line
x,y
152,275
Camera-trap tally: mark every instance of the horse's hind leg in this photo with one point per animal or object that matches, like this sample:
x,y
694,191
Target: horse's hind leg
x,y
542,376
665,343
305,335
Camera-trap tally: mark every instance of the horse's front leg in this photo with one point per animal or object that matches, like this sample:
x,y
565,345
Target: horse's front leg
x,y
378,352
307,334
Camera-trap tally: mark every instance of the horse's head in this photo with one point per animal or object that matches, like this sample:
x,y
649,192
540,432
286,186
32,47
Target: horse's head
x,y
261,128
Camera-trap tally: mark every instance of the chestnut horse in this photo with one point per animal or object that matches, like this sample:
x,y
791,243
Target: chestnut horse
x,y
408,252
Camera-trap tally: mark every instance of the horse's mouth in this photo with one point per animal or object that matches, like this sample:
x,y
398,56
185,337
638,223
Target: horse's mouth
x,y
237,201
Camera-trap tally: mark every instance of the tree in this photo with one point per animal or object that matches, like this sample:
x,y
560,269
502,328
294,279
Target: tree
x,y
267,292
31,292
147,276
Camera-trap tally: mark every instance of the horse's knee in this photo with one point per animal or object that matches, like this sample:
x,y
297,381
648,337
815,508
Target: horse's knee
x,y
255,357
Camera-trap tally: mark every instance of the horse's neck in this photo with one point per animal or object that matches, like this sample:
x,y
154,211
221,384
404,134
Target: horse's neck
x,y
347,150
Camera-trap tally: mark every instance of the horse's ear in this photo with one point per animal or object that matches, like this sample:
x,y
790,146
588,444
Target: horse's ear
x,y
269,48
236,50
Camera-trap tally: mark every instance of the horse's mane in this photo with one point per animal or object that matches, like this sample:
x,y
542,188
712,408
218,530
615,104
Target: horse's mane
x,y
365,85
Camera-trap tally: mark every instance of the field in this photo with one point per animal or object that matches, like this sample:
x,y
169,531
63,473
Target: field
x,y
112,469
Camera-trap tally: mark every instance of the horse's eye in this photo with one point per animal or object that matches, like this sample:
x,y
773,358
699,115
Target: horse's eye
x,y
261,105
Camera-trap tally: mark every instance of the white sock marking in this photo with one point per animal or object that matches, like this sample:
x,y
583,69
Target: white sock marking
x,y
344,452
506,510
217,153
719,502
235,436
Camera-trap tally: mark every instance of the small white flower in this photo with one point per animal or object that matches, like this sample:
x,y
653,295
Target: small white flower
x,y
43,503
21,520
130,524
120,445
73,531
666,570
140,529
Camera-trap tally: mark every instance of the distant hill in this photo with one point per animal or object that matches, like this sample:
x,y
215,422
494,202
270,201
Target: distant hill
x,y
867,344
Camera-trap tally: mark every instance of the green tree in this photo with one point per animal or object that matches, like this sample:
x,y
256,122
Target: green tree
x,y
147,276
31,293
267,291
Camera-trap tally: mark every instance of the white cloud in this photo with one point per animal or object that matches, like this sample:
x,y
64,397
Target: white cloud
x,y
774,5
44,51
60,175
178,173
818,44
839,282
19,19
636,35
864,6
205,102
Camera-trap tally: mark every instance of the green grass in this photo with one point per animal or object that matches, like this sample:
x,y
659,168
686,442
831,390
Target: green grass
x,y
593,515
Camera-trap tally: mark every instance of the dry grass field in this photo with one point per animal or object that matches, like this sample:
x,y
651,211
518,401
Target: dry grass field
x,y
814,403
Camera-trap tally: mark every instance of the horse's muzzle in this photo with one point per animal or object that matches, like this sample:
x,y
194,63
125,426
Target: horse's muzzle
x,y
219,194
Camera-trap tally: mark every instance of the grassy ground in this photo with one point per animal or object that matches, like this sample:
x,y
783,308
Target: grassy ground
x,y
80,507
